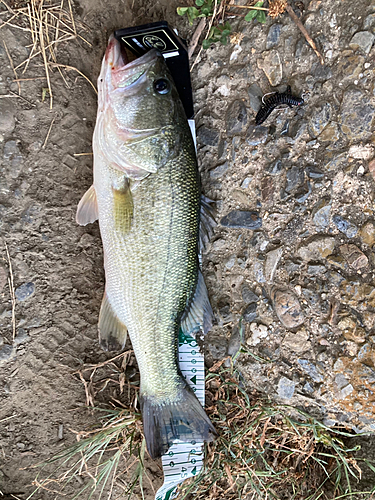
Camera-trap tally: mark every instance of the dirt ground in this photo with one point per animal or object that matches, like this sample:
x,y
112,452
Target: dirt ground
x,y
57,266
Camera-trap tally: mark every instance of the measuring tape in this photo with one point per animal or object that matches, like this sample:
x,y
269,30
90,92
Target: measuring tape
x,y
184,460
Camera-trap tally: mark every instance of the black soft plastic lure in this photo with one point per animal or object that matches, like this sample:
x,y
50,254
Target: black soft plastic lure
x,y
270,103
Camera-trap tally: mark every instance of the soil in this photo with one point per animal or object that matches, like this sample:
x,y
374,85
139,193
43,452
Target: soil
x,y
60,264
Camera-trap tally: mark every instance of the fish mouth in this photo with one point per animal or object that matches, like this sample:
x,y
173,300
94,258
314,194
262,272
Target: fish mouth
x,y
116,57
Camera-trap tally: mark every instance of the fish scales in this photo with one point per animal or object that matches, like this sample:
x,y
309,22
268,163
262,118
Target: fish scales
x,y
146,196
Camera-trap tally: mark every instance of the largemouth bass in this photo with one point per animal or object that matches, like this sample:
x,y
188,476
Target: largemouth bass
x,y
146,196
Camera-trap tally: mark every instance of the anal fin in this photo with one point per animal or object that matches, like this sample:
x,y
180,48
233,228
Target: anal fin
x,y
198,315
112,332
87,210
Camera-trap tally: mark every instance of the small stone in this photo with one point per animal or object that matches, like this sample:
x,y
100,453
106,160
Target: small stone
x,y
319,119
308,388
317,248
10,149
267,189
7,120
21,337
345,226
350,66
316,270
311,370
258,270
272,260
248,295
341,381
354,256
275,168
321,213
314,172
351,331
236,118
256,135
331,133
361,152
346,391
297,342
287,307
363,41
207,136
369,21
230,262
273,36
272,67
242,219
367,233
340,161
357,114
218,172
25,291
285,388
259,332
364,353
246,182
338,366
295,176
7,353
250,313
255,97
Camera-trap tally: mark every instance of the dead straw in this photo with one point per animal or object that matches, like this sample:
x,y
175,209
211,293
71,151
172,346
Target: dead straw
x,y
12,66
48,133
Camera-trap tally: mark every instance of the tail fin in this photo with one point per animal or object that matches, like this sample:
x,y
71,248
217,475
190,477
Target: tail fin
x,y
184,419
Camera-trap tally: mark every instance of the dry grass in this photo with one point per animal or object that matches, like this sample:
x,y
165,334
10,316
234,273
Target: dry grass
x,y
50,25
263,451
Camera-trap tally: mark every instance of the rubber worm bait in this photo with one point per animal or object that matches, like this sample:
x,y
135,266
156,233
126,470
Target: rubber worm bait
x,y
270,103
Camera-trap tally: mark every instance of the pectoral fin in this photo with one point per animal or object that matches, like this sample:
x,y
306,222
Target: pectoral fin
x,y
122,205
198,315
112,332
87,210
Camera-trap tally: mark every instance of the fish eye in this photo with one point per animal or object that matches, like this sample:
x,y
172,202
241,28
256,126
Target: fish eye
x,y
162,86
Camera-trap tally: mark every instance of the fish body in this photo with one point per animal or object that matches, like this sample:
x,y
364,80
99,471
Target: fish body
x,y
146,196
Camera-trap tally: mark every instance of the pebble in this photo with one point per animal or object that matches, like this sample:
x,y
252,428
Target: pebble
x,y
319,119
250,313
242,219
230,262
287,307
236,118
246,182
346,391
272,259
317,248
361,152
7,352
357,114
316,270
345,226
363,41
21,337
310,369
25,291
367,233
354,256
3,278
10,149
258,271
295,176
369,21
273,36
339,161
321,213
275,168
255,96
207,136
297,342
256,135
364,353
218,172
272,67
7,120
331,133
259,332
248,295
285,388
